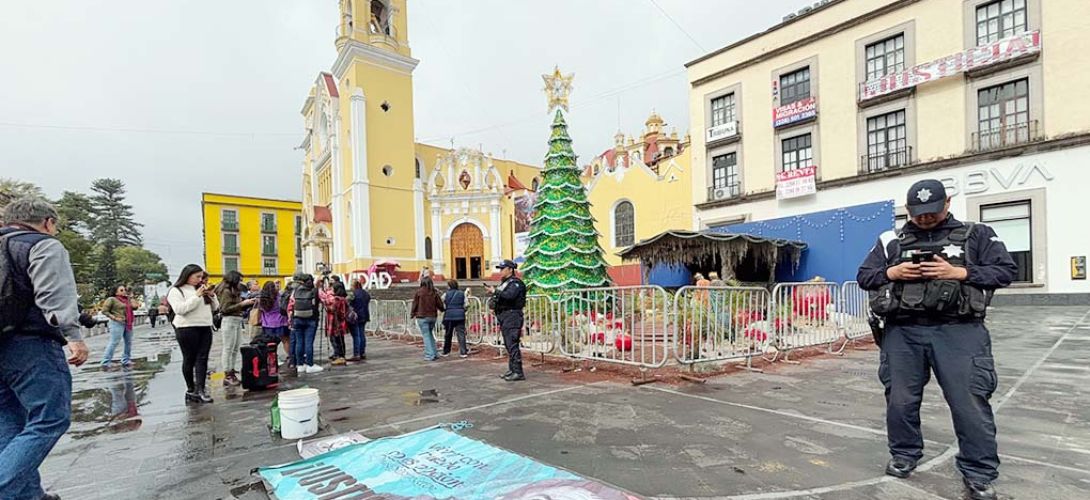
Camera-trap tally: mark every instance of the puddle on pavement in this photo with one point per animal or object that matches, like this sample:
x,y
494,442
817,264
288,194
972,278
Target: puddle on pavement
x,y
108,400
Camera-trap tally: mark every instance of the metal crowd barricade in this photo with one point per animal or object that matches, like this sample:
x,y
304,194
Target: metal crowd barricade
x,y
372,324
482,328
853,311
721,324
628,325
801,315
392,317
542,325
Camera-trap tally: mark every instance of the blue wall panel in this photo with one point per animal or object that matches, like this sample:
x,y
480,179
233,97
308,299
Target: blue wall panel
x,y
837,240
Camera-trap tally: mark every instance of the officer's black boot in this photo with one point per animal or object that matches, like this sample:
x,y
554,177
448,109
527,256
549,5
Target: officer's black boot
x,y
515,377
508,374
900,467
980,490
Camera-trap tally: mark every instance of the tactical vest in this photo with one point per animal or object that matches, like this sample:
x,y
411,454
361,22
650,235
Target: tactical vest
x,y
936,299
517,303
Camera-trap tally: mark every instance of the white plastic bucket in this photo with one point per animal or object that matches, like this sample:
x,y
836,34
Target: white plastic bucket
x,y
298,413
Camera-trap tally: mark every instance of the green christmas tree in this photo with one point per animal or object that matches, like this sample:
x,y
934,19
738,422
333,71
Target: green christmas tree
x,y
563,253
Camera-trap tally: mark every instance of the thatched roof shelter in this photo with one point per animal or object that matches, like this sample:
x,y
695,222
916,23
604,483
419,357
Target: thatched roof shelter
x,y
680,248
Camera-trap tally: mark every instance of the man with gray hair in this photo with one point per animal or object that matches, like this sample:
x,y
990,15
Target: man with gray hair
x,y
38,315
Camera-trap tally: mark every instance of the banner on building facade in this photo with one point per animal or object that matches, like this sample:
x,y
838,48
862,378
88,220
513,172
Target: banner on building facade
x,y
524,213
977,57
796,183
432,463
794,112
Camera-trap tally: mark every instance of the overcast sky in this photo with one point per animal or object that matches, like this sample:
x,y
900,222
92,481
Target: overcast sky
x,y
184,96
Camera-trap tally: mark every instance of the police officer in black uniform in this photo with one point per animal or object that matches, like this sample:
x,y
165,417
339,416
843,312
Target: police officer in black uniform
x,y
931,283
507,300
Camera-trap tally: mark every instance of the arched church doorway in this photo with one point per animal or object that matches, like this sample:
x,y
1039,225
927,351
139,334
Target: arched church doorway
x,y
467,251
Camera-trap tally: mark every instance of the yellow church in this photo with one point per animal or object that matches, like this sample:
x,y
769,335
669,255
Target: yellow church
x,y
371,194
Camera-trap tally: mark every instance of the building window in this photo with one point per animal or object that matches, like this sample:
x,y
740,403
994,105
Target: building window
x,y
229,220
724,177
887,145
1012,222
794,86
417,168
885,57
899,221
268,267
268,245
624,225
1003,115
1000,19
298,225
230,243
723,110
797,153
427,247
230,264
268,223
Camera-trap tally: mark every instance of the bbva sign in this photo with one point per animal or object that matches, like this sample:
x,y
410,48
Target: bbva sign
x,y
1005,179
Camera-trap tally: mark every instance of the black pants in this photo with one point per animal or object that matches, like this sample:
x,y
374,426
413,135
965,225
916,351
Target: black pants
x,y
151,320
960,354
511,327
337,341
196,342
451,328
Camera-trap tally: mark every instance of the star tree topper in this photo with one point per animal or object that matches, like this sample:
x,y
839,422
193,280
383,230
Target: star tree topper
x,y
557,88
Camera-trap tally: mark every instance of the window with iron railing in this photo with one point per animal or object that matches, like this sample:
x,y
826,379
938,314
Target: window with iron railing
x,y
268,245
1000,19
268,223
887,143
229,220
268,266
230,243
725,182
1003,116
885,57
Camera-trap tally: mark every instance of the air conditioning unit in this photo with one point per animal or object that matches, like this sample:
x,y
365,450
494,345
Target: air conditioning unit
x,y
720,193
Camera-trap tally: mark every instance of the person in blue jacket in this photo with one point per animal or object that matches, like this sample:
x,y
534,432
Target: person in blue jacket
x,y
454,319
931,283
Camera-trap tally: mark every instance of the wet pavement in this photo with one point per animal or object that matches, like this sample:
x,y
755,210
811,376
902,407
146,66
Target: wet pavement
x,y
813,430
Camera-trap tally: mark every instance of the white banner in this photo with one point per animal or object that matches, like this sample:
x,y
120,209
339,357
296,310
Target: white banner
x,y
796,183
974,58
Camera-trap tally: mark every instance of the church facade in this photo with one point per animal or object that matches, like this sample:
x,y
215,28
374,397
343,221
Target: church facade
x,y
371,194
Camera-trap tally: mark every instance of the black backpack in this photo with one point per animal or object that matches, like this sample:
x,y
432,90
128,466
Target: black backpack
x,y
12,311
306,300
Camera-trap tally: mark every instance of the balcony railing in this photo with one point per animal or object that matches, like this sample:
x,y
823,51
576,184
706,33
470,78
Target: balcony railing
x,y
230,250
229,225
886,160
268,228
1010,135
271,251
716,193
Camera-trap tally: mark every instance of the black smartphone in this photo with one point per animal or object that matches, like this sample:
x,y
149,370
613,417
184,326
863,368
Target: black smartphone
x,y
923,256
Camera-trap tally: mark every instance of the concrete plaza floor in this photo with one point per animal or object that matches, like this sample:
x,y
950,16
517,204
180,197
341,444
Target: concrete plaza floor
x,y
813,430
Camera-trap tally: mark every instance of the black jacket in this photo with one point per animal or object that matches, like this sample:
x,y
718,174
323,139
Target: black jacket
x,y
510,295
992,266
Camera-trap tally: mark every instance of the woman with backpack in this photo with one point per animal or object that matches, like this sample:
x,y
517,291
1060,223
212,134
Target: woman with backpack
x,y
192,304
336,319
426,308
233,327
119,309
454,319
360,303
274,321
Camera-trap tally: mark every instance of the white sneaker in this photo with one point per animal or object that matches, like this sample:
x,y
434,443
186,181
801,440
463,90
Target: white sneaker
x,y
301,369
314,369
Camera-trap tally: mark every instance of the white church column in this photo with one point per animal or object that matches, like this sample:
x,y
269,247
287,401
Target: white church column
x,y
437,238
361,183
497,244
338,191
418,219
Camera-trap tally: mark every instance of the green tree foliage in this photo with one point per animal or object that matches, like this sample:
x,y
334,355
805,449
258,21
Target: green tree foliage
x,y
135,265
13,189
113,221
563,253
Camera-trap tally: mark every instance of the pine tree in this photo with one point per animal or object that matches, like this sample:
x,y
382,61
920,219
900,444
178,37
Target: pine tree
x,y
112,219
563,253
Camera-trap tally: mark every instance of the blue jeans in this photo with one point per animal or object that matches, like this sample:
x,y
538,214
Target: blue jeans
x,y
35,406
302,340
117,334
427,325
359,339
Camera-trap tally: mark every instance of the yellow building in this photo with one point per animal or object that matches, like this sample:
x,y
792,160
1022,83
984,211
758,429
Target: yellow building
x,y
637,189
258,237
370,192
851,102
